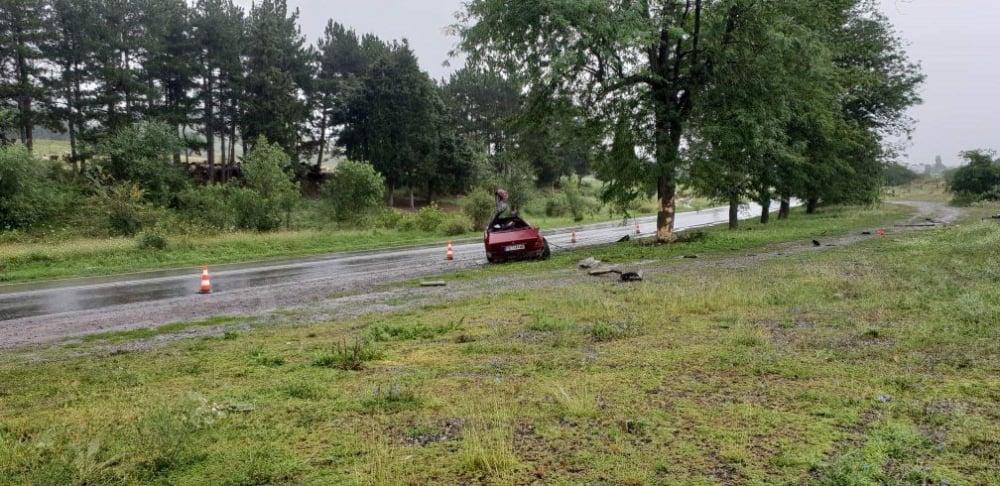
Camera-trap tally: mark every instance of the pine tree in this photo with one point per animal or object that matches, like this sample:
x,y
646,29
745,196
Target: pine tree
x,y
22,34
277,71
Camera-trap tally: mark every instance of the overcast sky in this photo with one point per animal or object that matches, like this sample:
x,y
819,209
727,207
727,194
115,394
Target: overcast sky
x,y
953,41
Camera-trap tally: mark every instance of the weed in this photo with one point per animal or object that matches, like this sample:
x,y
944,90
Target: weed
x,y
348,357
403,332
487,445
604,331
264,358
391,398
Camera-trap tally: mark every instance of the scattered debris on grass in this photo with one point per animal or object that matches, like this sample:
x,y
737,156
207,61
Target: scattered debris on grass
x,y
589,262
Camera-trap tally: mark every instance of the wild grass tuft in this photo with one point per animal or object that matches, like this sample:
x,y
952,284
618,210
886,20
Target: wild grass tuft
x,y
348,357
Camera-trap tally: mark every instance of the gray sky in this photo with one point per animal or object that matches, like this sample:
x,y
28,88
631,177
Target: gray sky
x,y
952,39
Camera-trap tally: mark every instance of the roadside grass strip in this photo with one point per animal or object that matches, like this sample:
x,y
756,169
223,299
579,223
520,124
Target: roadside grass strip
x,y
874,363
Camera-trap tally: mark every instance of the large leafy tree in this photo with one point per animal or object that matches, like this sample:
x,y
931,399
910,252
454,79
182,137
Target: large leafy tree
x,y
695,74
647,59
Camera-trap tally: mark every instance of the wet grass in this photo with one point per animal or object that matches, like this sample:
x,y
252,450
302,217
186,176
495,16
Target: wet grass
x,y
875,363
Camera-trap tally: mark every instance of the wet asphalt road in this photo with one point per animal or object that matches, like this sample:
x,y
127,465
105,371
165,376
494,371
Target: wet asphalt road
x,y
178,288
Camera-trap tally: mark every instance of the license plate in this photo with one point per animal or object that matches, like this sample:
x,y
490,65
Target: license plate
x,y
513,248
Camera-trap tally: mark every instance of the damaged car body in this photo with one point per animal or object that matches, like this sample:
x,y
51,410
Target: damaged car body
x,y
511,238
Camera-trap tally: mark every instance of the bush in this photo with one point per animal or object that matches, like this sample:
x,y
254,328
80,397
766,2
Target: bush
x,y
973,181
479,206
208,205
151,240
429,218
389,218
123,202
354,189
253,212
455,225
143,154
555,206
347,357
26,194
265,172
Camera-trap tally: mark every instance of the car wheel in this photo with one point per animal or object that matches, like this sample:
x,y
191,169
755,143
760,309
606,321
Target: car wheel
x,y
546,252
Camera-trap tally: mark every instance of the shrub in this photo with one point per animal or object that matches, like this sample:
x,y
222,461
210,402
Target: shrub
x,y
143,154
977,179
347,357
123,202
265,171
253,212
429,218
208,205
389,218
151,240
353,189
455,225
479,206
26,194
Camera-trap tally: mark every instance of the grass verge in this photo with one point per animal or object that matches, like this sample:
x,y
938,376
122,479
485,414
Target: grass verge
x,y
875,363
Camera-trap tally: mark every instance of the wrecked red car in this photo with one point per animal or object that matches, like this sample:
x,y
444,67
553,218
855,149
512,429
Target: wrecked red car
x,y
511,238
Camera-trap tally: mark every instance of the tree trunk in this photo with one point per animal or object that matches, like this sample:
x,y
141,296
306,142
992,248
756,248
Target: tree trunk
x,y
734,212
765,209
811,205
322,144
666,189
392,197
210,127
25,122
785,208
412,205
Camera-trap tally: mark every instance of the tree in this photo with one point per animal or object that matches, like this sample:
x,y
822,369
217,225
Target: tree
x,y
393,120
69,50
116,56
979,179
22,33
339,66
354,188
897,174
644,59
218,33
484,105
143,153
169,70
277,71
268,174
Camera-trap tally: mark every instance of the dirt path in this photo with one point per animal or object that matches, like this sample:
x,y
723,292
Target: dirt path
x,y
318,301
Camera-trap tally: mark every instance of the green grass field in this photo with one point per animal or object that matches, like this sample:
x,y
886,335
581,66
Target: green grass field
x,y
875,363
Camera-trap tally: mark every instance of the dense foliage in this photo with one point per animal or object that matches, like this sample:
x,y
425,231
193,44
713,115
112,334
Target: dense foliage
x,y
741,98
979,179
738,99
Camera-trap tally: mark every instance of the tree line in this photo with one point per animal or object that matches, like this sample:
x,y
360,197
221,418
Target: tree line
x,y
223,76
741,99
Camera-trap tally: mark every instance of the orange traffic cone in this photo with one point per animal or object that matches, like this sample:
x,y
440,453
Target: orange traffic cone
x,y
572,237
637,231
451,254
206,284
